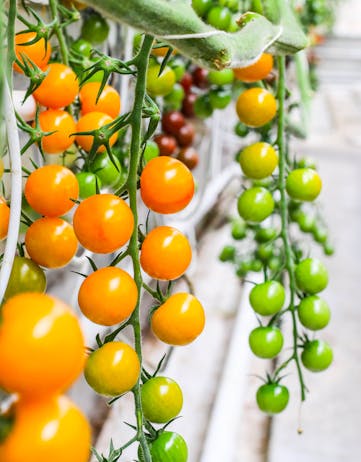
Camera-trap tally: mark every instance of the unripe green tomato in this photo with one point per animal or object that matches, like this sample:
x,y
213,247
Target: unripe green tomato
x,y
95,29
266,341
83,47
311,276
258,160
328,249
243,268
316,355
272,398
255,204
220,98
160,85
109,174
267,298
201,7
233,26
89,184
202,107
264,252
265,234
178,67
320,234
219,17
274,264
239,229
256,265
174,99
313,312
168,447
220,78
151,151
241,129
25,276
305,221
228,253
303,184
306,162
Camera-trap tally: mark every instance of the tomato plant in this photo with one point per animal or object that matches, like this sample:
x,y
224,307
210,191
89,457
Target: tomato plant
x,y
95,29
266,342
62,127
267,298
311,276
38,52
255,204
316,355
107,102
256,107
314,312
272,398
89,122
160,84
167,447
256,71
258,160
304,184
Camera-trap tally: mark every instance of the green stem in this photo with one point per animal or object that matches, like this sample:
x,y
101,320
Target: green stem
x,y
59,32
11,40
289,264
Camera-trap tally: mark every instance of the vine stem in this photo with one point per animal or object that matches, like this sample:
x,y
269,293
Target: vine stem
x,y
11,40
141,63
59,33
289,264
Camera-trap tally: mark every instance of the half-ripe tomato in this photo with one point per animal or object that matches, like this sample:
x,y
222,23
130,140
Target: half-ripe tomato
x,y
255,204
113,369
258,160
303,184
266,341
103,223
59,88
272,398
256,107
179,320
50,428
63,124
93,121
160,85
42,348
256,71
168,447
108,296
166,185
25,276
37,52
108,102
51,242
165,253
49,190
4,218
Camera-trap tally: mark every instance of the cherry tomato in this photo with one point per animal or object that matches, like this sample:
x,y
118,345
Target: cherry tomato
x,y
266,341
311,276
186,82
168,447
162,399
316,355
49,190
89,184
272,398
200,77
60,122
189,157
113,369
264,252
179,320
161,52
241,130
93,121
220,98
313,312
267,298
32,339
166,185
239,229
25,276
51,242
303,184
220,78
202,107
37,52
108,102
185,135
188,104
201,7
108,296
4,218
219,17
151,151
109,174
256,71
95,29
51,428
305,221
178,67
167,144
59,88
228,253
160,85
83,47
172,122
265,234
256,107
255,204
258,160
174,99
165,253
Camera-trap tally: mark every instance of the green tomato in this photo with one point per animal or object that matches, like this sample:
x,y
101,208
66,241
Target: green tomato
x,y
266,341
95,29
228,253
264,252
255,204
220,78
303,184
160,85
219,17
258,160
316,355
272,398
265,234
25,276
110,175
328,249
320,234
202,107
201,7
174,99
267,298
274,264
168,447
306,162
162,399
311,276
178,67
243,268
241,130
151,151
305,221
256,265
239,229
314,313
89,184
220,98
83,47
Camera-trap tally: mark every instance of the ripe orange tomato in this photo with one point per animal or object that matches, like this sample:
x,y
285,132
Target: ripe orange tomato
x,y
166,253
93,121
180,319
103,223
48,429
64,126
256,71
108,102
256,107
59,88
42,348
51,242
4,218
166,185
36,52
113,369
108,296
49,189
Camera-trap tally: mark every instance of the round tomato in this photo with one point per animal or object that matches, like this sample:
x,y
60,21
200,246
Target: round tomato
x,y
51,242
185,135
272,398
160,85
42,348
89,184
303,184
179,68
189,157
316,355
165,253
166,185
256,107
266,341
109,174
25,276
174,99
311,276
265,234
108,102
202,107
228,253
167,144
313,312
113,369
219,17
162,399
108,296
220,98
220,78
267,298
59,88
179,320
239,229
95,29
51,428
167,447
93,121
258,160
255,204
256,71
188,104
37,52
264,252
103,223
172,122
201,7
4,218
151,151
83,47
60,122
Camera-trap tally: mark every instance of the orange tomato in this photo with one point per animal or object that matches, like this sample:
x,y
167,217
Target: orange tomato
x,y
103,223
161,51
49,189
42,347
51,242
166,185
256,71
59,88
36,52
93,121
180,319
64,126
49,429
108,296
108,102
166,253
4,218
256,107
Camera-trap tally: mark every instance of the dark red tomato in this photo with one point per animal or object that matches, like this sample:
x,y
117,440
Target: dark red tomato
x,y
188,104
200,77
189,157
172,122
185,135
186,82
167,144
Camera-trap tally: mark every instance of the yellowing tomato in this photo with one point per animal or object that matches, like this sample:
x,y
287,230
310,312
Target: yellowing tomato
x,y
256,107
4,218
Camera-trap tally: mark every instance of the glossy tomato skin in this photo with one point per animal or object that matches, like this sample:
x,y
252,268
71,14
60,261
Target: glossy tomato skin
x,y
258,160
25,276
4,218
186,82
219,17
167,144
89,184
32,338
267,298
256,71
168,447
272,398
151,151
82,46
36,52
189,157
62,124
220,78
179,320
109,174
160,85
174,99
313,312
166,185
185,135
311,276
200,77
316,355
51,428
266,341
108,102
93,121
201,7
95,29
256,107
188,104
113,369
303,184
172,122
255,204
